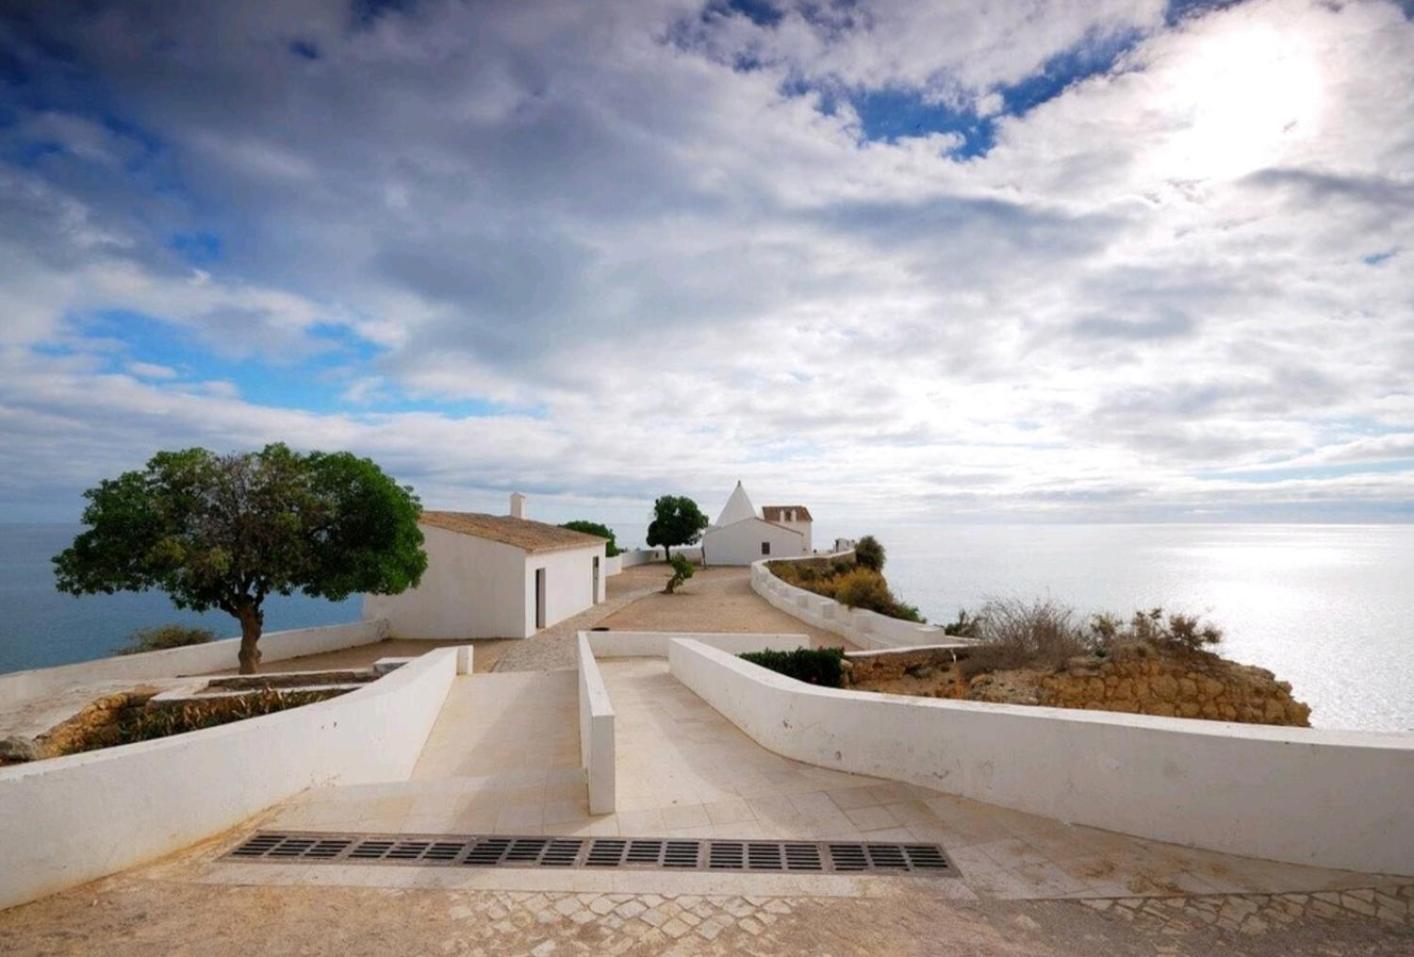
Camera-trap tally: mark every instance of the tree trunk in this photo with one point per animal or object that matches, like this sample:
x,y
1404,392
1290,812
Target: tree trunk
x,y
667,553
252,622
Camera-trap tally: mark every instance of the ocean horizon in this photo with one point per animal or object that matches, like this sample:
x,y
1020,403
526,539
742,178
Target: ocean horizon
x,y
1325,607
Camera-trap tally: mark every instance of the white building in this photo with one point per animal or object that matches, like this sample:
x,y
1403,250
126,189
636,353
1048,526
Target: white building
x,y
740,536
494,576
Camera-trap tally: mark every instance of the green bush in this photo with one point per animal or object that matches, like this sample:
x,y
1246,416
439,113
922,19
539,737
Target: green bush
x,y
966,626
594,528
165,636
816,666
682,571
869,553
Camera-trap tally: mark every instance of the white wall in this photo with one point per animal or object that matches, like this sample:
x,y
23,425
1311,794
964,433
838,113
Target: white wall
x,y
596,732
1328,798
20,686
806,531
862,628
569,584
73,819
655,644
740,542
473,588
613,565
643,556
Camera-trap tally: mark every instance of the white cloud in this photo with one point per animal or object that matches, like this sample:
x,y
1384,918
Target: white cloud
x,y
1151,286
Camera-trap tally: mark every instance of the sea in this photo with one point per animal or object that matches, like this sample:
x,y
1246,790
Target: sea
x,y
1329,608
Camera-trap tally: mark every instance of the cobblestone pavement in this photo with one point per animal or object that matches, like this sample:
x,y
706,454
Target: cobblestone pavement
x,y
554,647
168,917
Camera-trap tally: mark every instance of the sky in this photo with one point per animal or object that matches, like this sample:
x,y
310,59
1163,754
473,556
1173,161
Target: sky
x,y
1013,260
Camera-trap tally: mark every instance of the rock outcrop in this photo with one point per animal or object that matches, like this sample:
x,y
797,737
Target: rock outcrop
x,y
1136,679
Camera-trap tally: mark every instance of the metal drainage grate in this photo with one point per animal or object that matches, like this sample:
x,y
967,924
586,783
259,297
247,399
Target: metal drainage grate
x,y
595,853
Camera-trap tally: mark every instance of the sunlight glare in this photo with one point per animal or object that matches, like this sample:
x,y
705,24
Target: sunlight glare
x,y
1248,96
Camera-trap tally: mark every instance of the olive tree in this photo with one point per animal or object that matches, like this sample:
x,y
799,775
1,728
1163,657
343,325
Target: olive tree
x,y
227,531
676,521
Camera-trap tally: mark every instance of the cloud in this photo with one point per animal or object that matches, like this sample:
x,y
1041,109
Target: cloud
x,y
606,252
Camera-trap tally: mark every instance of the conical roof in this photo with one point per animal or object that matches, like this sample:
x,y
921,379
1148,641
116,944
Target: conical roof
x,y
738,507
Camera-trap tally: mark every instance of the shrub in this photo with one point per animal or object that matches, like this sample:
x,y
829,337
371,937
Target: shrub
x,y
594,528
966,626
165,636
1015,634
816,666
1179,631
138,721
682,571
865,588
869,553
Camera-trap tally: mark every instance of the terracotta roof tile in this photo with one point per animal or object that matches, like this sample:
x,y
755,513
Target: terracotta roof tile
x,y
521,533
777,513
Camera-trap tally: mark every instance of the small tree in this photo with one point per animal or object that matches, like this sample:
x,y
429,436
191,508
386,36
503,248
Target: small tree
x,y
869,553
226,531
682,571
594,528
676,521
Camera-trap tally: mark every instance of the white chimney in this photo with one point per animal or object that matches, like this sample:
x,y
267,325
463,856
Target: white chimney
x,y
517,505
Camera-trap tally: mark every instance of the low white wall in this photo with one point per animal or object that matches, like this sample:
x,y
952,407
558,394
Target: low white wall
x,y
1330,798
642,556
613,564
20,686
73,819
596,732
654,644
864,629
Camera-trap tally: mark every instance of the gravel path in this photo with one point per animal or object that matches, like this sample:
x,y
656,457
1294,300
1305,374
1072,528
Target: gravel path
x,y
553,648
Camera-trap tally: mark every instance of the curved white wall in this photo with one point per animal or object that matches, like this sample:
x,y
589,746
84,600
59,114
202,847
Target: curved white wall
x,y
1329,798
864,629
67,820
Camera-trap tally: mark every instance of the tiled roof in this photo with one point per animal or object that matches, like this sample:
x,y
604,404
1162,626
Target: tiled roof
x,y
521,533
777,513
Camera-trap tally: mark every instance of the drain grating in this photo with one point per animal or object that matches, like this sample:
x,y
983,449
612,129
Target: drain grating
x,y
595,853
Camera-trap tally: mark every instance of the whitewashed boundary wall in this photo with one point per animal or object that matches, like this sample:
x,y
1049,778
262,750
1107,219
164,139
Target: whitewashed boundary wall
x,y
654,644
642,556
596,732
21,686
862,628
1328,798
77,818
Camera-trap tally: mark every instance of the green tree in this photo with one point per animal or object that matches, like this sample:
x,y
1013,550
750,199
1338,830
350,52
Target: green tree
x,y
682,571
676,521
594,528
869,553
226,531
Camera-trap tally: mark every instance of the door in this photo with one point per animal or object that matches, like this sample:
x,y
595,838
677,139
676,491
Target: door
x,y
595,593
539,598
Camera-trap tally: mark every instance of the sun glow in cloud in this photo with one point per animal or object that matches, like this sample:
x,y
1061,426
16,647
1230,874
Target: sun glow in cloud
x,y
1251,95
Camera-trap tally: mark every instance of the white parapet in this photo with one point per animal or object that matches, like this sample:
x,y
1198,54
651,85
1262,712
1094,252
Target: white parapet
x,y
64,821
1327,798
21,686
596,732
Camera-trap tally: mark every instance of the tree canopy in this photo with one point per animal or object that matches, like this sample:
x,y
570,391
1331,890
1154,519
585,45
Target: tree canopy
x,y
226,531
594,528
676,521
869,553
